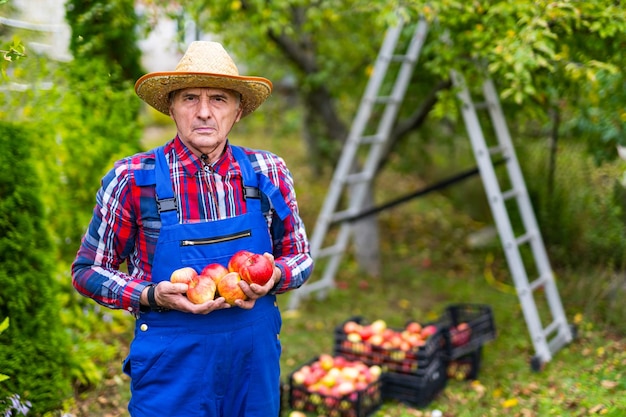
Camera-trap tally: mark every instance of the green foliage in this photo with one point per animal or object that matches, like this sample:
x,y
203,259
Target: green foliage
x,y
541,53
34,350
105,31
581,191
100,125
10,52
3,326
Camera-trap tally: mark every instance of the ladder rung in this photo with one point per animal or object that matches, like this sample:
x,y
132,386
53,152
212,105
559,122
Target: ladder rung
x,y
551,328
328,251
494,150
372,139
537,283
524,238
403,58
342,215
481,105
357,177
386,100
509,194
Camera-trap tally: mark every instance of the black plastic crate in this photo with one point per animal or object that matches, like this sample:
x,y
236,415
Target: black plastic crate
x,y
465,367
465,328
417,390
406,361
358,403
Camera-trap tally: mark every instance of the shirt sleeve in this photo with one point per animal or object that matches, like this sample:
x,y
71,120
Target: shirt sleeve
x,y
291,245
106,245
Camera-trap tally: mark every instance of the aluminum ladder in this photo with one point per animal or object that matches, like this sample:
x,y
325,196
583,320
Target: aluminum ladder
x,y
362,153
547,339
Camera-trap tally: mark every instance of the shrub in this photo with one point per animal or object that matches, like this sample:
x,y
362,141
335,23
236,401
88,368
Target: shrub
x,y
34,349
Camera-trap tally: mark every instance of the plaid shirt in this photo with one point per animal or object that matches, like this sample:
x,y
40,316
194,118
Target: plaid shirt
x,y
125,224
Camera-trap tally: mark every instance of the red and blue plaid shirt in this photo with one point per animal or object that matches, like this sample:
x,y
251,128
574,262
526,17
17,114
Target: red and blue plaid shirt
x,y
125,224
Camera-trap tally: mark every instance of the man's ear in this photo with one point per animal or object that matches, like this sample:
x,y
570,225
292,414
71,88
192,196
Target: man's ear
x,y
239,113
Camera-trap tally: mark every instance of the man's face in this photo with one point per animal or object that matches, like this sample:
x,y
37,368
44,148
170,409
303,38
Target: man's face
x,y
204,118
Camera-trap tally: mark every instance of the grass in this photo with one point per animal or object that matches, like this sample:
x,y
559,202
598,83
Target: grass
x,y
427,265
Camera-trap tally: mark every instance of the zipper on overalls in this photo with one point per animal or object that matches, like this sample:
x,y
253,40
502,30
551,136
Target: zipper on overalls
x,y
216,239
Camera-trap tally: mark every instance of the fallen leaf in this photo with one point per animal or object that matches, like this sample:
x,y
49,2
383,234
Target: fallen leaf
x,y
608,384
511,402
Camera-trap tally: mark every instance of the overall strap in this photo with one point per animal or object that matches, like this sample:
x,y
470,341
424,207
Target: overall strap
x,y
166,201
256,183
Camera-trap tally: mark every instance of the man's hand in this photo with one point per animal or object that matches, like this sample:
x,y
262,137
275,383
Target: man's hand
x,y
172,296
256,291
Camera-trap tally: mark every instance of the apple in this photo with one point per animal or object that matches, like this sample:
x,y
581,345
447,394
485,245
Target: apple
x,y
428,331
351,326
378,326
326,361
201,289
460,334
366,332
254,268
228,287
237,261
257,269
214,271
414,327
183,275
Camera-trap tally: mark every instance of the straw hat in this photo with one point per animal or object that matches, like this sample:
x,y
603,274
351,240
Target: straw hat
x,y
205,64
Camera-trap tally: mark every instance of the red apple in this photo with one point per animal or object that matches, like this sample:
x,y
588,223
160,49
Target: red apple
x,y
460,334
183,275
257,269
228,287
214,271
201,289
351,327
428,331
414,327
237,261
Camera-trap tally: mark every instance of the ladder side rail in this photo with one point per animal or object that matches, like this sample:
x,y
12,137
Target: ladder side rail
x,y
398,92
527,212
501,218
347,164
346,161
517,178
327,279
360,190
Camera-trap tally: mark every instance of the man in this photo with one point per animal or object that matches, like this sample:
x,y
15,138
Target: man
x,y
194,201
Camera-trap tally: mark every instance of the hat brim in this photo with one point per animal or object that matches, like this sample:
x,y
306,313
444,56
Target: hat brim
x,y
154,88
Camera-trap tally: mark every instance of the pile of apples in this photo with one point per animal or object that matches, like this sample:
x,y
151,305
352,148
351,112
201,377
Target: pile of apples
x,y
403,350
378,334
216,280
333,384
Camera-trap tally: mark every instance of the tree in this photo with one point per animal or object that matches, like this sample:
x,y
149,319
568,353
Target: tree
x,y
534,49
101,115
106,31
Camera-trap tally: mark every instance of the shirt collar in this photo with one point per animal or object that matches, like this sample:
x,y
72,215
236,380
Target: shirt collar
x,y
192,164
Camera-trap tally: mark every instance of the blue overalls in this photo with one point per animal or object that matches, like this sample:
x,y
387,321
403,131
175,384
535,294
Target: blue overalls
x,y
225,363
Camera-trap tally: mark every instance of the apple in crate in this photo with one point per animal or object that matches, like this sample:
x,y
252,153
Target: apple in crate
x,y
228,287
460,334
